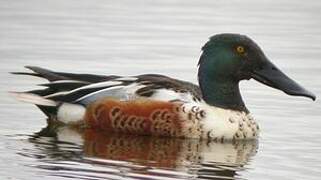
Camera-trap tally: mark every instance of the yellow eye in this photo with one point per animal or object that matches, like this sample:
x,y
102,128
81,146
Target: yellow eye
x,y
240,49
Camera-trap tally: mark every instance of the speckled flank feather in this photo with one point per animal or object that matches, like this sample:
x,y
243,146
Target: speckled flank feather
x,y
172,119
144,117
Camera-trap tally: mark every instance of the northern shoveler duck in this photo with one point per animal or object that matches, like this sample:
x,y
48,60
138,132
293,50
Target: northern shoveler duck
x,y
158,105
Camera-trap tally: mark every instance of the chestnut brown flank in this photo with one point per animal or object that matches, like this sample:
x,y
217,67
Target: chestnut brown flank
x,y
142,116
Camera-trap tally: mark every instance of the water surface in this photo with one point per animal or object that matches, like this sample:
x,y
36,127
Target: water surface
x,y
160,36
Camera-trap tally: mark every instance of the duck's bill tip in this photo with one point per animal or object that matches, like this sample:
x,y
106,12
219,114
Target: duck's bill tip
x,y
313,97
306,94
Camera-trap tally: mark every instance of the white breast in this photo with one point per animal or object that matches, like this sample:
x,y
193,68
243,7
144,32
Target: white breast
x,y
223,124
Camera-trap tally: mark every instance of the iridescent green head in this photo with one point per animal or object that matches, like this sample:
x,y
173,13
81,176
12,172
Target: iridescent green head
x,y
230,58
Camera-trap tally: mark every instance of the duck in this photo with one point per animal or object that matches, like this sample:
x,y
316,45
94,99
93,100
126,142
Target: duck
x,y
158,105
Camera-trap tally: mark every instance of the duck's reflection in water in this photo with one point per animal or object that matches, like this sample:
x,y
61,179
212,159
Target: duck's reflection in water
x,y
145,157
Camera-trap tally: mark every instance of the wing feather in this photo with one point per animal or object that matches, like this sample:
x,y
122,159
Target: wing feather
x,y
87,88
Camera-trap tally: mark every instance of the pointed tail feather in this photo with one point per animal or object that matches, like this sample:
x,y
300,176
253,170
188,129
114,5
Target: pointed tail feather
x,y
33,98
42,73
45,73
56,76
26,73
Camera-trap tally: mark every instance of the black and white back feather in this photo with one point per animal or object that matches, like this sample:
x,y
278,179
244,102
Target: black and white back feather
x,y
84,89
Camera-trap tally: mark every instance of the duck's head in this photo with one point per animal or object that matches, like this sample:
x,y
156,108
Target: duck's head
x,y
230,58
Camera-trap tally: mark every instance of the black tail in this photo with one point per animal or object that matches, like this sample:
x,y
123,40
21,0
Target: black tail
x,y
59,82
56,84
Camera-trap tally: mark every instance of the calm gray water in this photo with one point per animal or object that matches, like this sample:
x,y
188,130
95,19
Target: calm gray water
x,y
158,36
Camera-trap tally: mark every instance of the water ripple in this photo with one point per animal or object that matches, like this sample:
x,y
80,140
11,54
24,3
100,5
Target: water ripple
x,y
116,156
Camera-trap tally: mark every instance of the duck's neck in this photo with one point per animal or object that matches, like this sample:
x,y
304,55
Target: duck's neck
x,y
219,91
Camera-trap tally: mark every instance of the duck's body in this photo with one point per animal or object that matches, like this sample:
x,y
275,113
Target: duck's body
x,y
146,105
162,106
